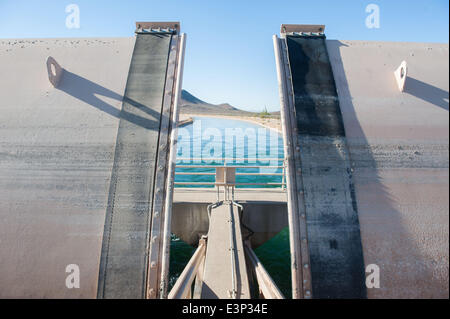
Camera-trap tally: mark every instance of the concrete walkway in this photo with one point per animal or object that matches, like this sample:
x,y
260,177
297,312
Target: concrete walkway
x,y
223,273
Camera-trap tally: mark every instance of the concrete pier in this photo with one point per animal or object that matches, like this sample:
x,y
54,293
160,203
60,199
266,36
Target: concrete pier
x,y
394,152
265,212
223,279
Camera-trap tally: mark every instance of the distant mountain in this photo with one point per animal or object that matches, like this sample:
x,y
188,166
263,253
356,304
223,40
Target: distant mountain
x,y
188,98
193,105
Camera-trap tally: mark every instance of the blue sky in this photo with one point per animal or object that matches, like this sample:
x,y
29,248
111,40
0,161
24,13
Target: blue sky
x,y
229,55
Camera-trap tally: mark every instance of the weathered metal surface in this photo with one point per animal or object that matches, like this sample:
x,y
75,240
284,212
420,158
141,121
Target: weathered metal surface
x,y
170,187
337,264
158,213
297,28
123,265
158,26
300,269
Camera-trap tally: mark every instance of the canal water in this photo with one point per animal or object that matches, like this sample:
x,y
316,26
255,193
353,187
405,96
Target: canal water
x,y
209,141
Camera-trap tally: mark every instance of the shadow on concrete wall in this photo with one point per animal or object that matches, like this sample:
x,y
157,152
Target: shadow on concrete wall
x,y
427,92
379,217
87,91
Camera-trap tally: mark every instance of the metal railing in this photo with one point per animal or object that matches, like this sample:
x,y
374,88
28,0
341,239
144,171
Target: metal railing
x,y
231,163
183,285
267,287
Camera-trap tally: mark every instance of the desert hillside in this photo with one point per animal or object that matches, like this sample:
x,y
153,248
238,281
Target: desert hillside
x,y
193,105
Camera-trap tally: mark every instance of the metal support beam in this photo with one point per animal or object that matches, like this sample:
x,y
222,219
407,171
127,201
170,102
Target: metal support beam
x,y
170,27
330,241
171,172
267,286
182,288
158,213
300,274
302,28
132,251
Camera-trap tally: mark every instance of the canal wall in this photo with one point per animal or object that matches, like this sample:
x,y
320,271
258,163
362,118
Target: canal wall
x,y
57,153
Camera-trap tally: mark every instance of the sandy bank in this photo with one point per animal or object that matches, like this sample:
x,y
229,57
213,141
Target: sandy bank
x,y
270,123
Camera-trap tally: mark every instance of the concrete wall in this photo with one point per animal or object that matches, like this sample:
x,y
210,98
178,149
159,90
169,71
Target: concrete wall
x,y
265,213
56,156
399,148
266,219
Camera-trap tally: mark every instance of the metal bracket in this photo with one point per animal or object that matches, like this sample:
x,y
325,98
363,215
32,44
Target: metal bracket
x,y
300,270
226,177
400,75
158,27
303,29
54,70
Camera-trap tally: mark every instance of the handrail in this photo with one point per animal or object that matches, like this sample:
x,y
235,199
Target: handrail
x,y
233,257
182,287
241,172
244,174
164,275
230,184
267,286
230,158
232,166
